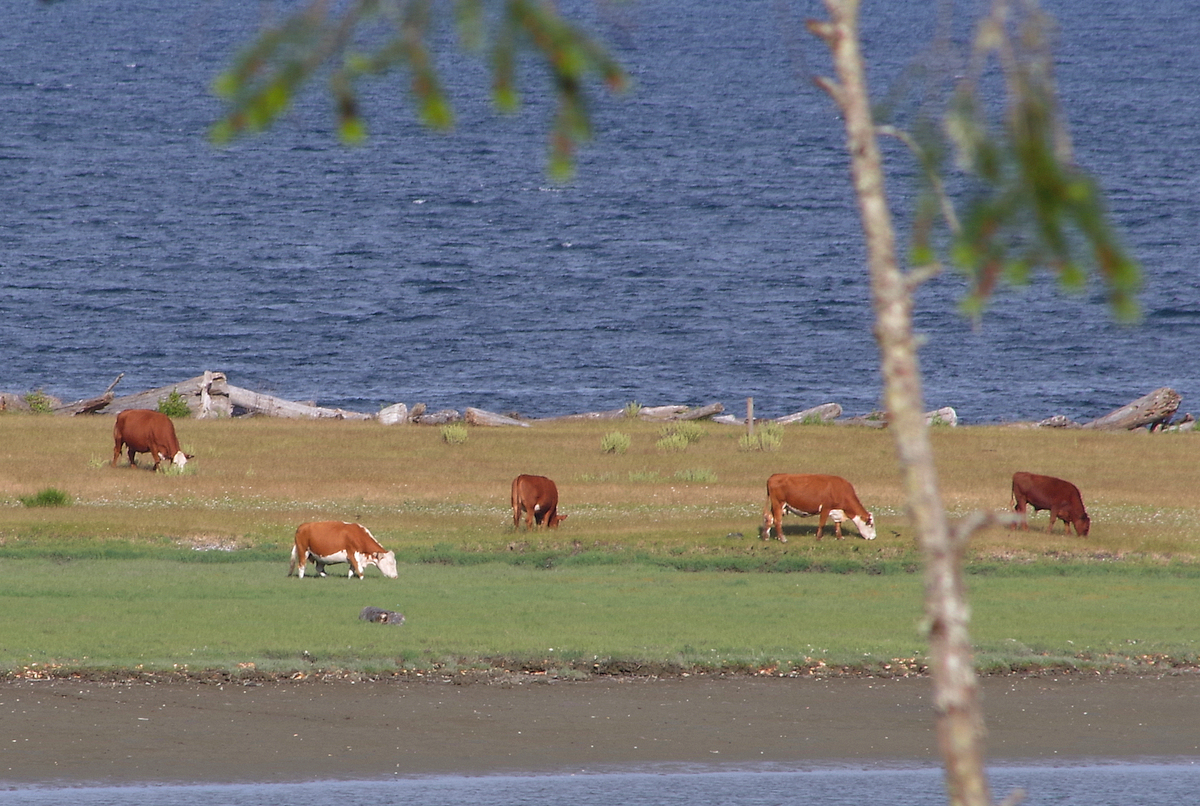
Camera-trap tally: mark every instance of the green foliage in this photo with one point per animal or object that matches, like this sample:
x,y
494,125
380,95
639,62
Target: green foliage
x,y
691,431
696,476
1031,205
767,436
632,409
372,38
672,443
174,405
38,402
615,442
454,433
48,497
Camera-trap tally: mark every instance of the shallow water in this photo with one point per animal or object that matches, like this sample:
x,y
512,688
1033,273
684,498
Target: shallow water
x,y
708,249
1099,784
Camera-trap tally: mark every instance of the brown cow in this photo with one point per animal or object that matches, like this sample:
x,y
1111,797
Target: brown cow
x,y
1062,498
826,496
332,542
147,431
538,497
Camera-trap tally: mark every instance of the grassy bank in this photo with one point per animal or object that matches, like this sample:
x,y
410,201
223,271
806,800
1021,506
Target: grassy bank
x,y
659,565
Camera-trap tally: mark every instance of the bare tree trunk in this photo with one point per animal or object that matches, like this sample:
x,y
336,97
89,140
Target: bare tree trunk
x,y
956,695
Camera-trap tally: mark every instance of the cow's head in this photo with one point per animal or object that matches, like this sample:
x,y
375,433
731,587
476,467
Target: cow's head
x,y
866,528
386,561
555,520
1083,525
180,459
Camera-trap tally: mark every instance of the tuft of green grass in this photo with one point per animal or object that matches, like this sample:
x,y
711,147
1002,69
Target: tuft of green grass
x,y
767,437
38,402
615,442
48,497
454,434
672,443
690,431
632,409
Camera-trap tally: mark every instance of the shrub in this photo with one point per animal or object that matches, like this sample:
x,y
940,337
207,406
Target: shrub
x,y
643,475
632,409
38,401
615,442
49,497
174,405
673,443
767,437
454,434
688,430
696,475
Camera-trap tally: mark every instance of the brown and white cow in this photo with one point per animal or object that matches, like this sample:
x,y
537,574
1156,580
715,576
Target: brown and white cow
x,y
814,494
332,542
538,497
147,431
1062,498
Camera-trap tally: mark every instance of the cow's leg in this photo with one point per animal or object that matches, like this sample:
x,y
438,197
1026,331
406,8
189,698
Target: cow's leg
x,y
132,462
777,513
1020,509
117,452
824,513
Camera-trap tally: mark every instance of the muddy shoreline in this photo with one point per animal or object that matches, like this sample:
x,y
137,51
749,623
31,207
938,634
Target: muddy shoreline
x,y
71,732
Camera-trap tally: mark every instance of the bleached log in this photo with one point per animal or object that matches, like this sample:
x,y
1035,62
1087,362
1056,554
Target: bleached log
x,y
210,385
397,413
826,412
489,418
89,405
257,403
1155,408
611,414
660,412
441,417
700,412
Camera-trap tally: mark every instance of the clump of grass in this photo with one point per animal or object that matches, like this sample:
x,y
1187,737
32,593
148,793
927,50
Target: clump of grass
x,y
688,430
174,405
615,442
672,443
49,497
815,419
632,409
38,402
696,475
643,475
454,434
766,437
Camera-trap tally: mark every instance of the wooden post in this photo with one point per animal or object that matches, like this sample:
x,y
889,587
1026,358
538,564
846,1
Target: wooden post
x,y
750,416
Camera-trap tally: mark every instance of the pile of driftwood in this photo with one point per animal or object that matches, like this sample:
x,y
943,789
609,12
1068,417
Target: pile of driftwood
x,y
211,395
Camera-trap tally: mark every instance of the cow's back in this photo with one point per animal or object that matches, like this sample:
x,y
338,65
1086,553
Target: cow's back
x,y
815,492
147,431
327,538
538,497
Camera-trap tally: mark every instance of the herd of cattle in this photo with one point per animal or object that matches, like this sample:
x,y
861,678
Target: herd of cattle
x,y
830,498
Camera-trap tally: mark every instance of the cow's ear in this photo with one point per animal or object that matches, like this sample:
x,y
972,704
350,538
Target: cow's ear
x,y
189,456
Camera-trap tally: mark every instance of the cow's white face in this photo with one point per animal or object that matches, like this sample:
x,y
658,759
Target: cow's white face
x,y
387,564
179,460
866,528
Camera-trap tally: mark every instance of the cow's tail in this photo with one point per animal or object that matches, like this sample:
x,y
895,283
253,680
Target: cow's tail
x,y
295,561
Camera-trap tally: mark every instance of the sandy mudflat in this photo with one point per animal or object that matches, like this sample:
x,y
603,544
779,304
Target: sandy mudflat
x,y
74,732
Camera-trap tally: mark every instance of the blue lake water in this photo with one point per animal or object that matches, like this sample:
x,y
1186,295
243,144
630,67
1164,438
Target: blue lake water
x,y
1083,785
708,249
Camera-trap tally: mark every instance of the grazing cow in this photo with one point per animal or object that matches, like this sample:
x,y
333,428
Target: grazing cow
x,y
1062,498
538,497
332,542
147,431
830,497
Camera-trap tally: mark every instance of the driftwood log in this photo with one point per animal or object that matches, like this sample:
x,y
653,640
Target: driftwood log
x,y
1153,410
441,417
825,412
489,418
207,395
89,405
395,414
257,403
700,412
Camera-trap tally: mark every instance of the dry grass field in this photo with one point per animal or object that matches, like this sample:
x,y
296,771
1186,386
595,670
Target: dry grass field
x,y
186,569
253,480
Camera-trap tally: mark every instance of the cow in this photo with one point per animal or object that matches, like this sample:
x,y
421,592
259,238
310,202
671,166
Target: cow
x,y
332,542
147,431
1062,498
538,497
829,497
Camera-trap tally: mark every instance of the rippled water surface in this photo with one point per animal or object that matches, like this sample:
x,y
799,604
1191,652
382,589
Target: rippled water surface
x,y
708,249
